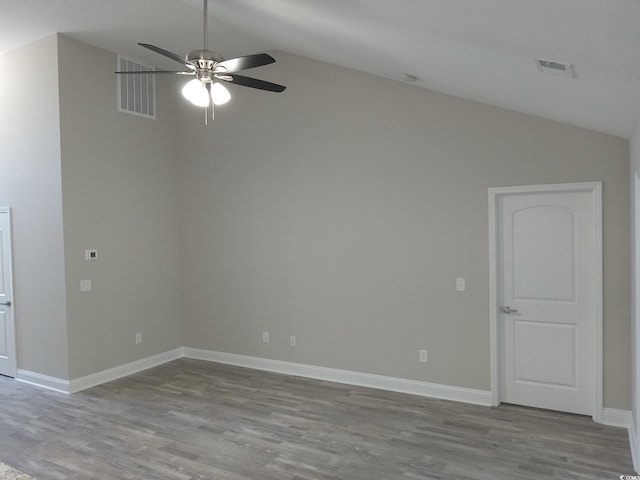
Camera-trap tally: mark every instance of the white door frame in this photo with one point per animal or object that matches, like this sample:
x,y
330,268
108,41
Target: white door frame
x,y
635,321
11,347
595,188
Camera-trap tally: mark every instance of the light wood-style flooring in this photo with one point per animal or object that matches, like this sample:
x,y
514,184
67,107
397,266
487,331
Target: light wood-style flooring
x,y
192,420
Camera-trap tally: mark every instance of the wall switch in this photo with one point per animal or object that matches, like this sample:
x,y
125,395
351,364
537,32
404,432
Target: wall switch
x,y
423,357
138,338
265,337
461,284
85,285
292,340
91,254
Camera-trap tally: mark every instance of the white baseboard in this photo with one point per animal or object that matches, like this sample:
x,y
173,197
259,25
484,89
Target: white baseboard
x,y
616,418
88,381
415,387
43,381
610,416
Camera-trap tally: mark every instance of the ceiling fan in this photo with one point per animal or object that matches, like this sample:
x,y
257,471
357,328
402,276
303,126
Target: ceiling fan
x,y
207,67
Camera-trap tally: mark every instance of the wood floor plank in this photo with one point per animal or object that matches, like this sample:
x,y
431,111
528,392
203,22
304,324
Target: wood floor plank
x,y
195,420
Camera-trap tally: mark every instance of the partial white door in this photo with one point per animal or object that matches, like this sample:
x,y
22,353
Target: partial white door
x,y
7,326
548,298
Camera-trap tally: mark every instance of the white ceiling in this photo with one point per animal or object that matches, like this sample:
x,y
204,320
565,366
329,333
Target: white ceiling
x,y
476,49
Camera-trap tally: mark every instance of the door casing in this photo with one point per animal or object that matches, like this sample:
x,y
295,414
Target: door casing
x,y
495,193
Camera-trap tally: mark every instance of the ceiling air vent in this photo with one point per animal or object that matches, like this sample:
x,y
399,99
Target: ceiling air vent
x,y
136,93
555,68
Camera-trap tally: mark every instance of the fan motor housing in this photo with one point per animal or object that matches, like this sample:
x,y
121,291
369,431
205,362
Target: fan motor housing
x,y
204,59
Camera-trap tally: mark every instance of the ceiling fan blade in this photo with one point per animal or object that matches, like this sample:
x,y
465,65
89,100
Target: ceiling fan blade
x,y
246,62
252,82
166,53
152,72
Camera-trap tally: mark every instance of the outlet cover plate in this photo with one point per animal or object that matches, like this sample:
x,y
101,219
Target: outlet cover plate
x,y
85,285
423,356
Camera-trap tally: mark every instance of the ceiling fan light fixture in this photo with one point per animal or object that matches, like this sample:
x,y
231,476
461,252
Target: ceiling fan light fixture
x,y
219,94
196,92
208,66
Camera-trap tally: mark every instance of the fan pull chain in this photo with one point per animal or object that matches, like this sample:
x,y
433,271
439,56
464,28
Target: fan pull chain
x,y
206,114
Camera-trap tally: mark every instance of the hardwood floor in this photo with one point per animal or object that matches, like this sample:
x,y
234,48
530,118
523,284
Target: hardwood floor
x,y
190,420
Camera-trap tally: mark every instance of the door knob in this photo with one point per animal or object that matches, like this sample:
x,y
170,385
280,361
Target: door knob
x,y
6,304
507,309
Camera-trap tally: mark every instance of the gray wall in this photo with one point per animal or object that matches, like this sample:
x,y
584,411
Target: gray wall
x,y
120,196
30,183
342,211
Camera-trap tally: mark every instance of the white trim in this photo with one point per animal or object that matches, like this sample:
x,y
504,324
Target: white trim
x,y
633,443
43,381
494,290
598,406
494,332
415,387
635,320
610,416
616,418
98,378
88,381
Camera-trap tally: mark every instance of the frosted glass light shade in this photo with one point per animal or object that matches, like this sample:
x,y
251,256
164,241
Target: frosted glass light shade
x,y
196,93
219,94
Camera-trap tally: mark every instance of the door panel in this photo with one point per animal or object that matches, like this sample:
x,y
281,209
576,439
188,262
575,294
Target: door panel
x,y
7,328
3,254
544,268
547,274
3,334
551,370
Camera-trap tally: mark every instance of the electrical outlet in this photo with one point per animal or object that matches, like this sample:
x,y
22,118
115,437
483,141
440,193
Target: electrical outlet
x,y
138,338
461,284
423,357
265,337
85,285
292,340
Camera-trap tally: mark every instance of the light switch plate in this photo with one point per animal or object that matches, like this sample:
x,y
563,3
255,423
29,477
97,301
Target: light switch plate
x,y
85,285
461,284
91,254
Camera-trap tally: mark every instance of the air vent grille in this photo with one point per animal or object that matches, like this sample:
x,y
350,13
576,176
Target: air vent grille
x,y
136,93
555,68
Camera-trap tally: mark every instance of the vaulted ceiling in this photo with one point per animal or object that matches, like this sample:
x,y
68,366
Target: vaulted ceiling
x,y
477,49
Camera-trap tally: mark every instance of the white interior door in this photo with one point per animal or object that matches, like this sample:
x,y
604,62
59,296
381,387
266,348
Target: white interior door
x,y
548,272
7,325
